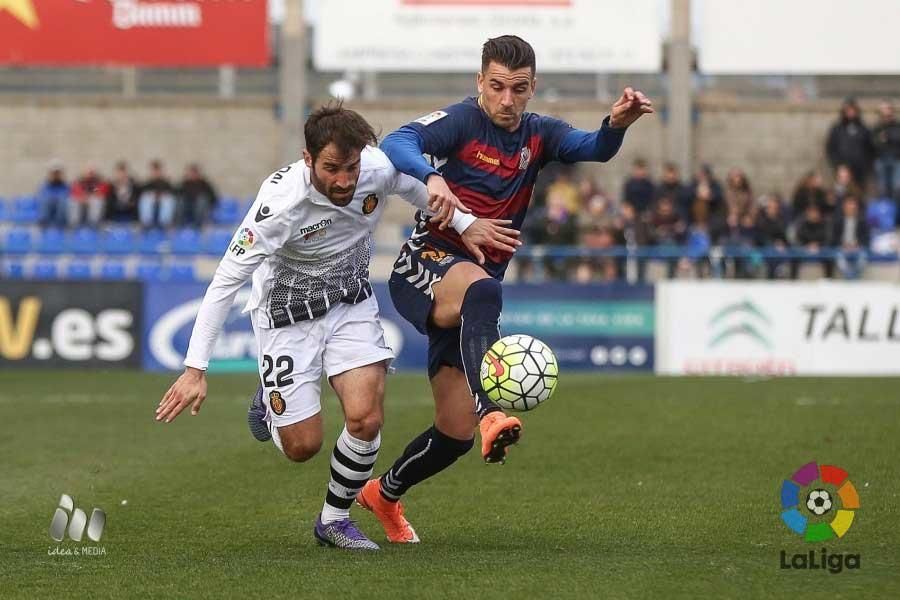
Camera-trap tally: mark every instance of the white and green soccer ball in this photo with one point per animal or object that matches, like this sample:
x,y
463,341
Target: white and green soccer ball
x,y
519,372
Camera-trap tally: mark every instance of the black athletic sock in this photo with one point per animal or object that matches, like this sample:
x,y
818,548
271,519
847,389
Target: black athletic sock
x,y
427,455
480,328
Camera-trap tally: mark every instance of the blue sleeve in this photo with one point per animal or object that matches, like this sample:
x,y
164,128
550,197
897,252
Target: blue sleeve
x,y
437,134
404,149
598,146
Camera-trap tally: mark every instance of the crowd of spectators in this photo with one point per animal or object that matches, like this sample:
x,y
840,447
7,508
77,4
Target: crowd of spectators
x,y
155,202
766,235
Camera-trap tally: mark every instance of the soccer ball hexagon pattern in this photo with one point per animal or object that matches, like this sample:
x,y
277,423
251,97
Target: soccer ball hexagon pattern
x,y
519,372
818,502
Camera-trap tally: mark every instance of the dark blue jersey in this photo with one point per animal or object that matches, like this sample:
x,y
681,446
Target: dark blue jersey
x,y
491,170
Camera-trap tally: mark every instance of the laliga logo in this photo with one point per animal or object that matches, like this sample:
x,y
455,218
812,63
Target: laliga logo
x,y
812,493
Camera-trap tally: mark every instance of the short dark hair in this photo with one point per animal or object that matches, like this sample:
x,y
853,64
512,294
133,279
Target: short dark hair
x,y
511,51
332,123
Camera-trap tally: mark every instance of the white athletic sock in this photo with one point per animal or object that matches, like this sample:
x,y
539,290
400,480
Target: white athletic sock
x,y
352,462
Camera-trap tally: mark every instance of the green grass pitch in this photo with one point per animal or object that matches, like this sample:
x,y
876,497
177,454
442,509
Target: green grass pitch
x,y
622,487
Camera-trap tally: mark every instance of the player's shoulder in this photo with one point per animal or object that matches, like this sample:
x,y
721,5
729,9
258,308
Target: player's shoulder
x,y
373,158
282,188
455,112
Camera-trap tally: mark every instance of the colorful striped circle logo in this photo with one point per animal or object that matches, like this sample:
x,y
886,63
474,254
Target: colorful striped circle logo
x,y
810,496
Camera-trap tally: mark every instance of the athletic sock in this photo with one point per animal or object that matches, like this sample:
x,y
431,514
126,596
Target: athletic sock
x,y
480,314
351,466
430,453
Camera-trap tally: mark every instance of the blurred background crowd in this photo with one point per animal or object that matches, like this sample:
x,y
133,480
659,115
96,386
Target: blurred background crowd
x,y
851,208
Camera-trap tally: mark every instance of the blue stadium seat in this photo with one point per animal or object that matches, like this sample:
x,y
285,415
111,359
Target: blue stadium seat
x,y
216,241
45,269
150,242
84,241
52,241
150,272
118,240
182,272
113,270
78,270
14,270
18,241
186,242
227,211
25,210
2,208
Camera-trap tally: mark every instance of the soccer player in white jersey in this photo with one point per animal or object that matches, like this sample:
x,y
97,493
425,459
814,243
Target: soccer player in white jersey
x,y
306,243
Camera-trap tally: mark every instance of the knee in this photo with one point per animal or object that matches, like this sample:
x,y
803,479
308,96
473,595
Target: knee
x,y
365,427
484,294
299,449
459,426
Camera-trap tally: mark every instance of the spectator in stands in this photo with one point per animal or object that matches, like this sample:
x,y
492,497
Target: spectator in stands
x,y
605,268
812,235
886,137
738,195
844,185
771,230
698,240
53,197
156,205
737,233
198,197
850,230
596,230
564,190
850,143
633,233
810,190
639,190
706,189
671,185
122,197
555,225
667,229
87,201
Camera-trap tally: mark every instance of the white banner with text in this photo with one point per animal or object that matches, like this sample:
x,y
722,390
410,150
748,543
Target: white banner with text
x,y
777,328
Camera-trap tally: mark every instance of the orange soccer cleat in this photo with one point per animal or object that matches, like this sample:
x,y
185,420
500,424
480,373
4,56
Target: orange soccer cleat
x,y
396,527
498,433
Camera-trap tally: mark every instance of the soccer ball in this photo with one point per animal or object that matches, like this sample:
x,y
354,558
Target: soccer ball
x,y
818,502
519,372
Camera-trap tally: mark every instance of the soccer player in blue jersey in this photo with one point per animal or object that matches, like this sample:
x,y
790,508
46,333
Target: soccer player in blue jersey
x,y
448,288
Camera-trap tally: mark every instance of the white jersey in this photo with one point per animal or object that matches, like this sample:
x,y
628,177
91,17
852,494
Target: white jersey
x,y
304,253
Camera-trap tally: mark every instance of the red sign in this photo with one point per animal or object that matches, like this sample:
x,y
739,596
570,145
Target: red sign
x,y
134,32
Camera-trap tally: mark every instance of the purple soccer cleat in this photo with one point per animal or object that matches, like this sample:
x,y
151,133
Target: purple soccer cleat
x,y
256,417
342,534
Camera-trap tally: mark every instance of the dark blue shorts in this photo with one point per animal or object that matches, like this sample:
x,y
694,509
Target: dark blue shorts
x,y
415,273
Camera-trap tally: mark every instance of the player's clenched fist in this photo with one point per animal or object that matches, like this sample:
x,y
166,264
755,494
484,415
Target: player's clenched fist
x,y
490,233
188,389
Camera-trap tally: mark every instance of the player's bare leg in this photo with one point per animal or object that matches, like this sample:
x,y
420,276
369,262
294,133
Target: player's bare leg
x,y
468,298
361,392
300,441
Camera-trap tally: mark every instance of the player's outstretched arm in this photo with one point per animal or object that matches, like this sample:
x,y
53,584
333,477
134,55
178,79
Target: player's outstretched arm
x,y
188,390
630,107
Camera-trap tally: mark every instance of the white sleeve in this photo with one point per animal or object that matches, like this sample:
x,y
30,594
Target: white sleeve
x,y
414,191
256,238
